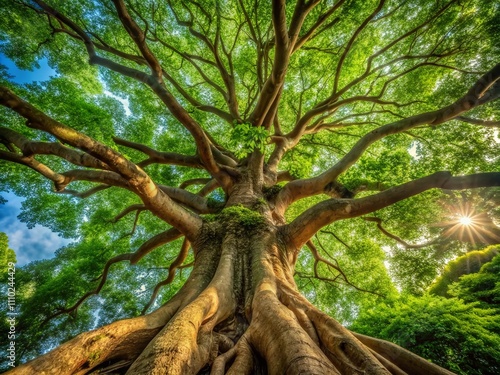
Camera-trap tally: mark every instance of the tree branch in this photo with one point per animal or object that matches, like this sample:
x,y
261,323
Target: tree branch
x,y
396,238
483,91
181,257
85,194
326,212
30,148
155,83
193,201
159,157
351,42
126,211
492,124
153,243
138,37
138,181
318,258
103,277
311,33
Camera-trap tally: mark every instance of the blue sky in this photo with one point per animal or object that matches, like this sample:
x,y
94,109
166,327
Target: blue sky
x,y
39,242
26,76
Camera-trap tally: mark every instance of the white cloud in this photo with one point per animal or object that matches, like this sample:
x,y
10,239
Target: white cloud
x,y
29,244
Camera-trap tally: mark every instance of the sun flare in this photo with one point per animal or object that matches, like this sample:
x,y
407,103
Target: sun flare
x,y
465,220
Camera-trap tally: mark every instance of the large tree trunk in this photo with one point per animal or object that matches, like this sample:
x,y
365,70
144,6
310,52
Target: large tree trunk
x,y
239,313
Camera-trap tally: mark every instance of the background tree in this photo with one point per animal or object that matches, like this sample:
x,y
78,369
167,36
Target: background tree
x,y
461,332
211,151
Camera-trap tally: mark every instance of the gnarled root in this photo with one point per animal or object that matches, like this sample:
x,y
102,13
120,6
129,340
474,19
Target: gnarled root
x,y
402,358
119,341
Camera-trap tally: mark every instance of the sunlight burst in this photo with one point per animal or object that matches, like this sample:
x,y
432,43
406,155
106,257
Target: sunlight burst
x,y
465,220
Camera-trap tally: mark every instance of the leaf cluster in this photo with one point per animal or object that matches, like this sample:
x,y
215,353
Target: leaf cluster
x,y
245,138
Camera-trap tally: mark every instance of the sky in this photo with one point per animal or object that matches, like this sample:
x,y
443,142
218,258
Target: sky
x,y
29,244
26,76
38,242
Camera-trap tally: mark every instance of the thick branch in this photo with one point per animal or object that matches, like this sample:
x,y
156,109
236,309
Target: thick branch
x,y
193,201
138,37
201,140
484,90
59,180
159,203
39,120
310,221
404,359
29,148
281,58
160,157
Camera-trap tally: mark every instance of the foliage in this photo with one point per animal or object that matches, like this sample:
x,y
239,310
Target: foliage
x,y
469,263
7,256
461,337
461,332
245,138
482,287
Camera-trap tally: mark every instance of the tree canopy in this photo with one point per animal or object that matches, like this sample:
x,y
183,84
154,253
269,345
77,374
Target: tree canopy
x,y
359,135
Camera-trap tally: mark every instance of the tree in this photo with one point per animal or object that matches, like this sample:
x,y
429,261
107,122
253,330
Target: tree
x,y
451,333
297,119
482,287
462,332
470,263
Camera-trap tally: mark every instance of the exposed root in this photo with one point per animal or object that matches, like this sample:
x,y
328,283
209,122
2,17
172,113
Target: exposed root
x,y
244,361
240,354
219,323
353,353
219,364
187,342
180,347
119,341
404,359
395,370
302,355
343,349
